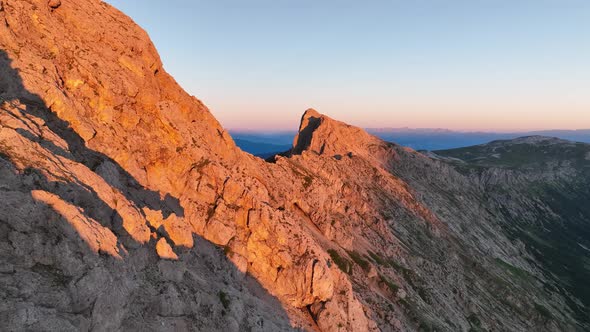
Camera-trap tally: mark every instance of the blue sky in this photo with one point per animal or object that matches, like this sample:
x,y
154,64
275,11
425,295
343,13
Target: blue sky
x,y
466,65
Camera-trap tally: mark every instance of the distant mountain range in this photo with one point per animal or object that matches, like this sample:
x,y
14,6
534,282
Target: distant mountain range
x,y
439,139
264,144
261,149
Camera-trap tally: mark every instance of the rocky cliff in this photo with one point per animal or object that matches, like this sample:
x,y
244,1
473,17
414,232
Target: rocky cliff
x,y
126,206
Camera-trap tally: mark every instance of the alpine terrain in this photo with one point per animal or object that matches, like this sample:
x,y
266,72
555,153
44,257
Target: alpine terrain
x,y
125,206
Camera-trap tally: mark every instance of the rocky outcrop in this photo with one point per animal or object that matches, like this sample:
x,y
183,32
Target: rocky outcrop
x,y
54,3
129,161
325,136
164,250
126,206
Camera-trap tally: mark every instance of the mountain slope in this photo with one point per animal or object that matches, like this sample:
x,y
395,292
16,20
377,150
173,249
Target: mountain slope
x,y
126,206
546,181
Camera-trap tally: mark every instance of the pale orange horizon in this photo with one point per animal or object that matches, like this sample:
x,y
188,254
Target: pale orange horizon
x,y
487,118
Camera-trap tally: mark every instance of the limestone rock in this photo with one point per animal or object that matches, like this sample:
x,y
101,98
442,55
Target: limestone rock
x,y
102,153
164,250
321,134
54,3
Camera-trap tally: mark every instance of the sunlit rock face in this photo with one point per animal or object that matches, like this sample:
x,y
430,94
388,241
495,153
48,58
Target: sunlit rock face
x,y
130,168
320,134
126,206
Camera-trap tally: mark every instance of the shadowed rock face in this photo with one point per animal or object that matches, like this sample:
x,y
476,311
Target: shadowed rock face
x,y
310,121
126,206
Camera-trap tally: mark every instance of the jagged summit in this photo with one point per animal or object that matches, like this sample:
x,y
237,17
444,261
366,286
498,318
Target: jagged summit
x,y
310,121
311,112
323,135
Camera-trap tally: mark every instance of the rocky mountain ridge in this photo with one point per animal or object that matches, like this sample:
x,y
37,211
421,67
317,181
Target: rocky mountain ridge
x,y
126,206
543,199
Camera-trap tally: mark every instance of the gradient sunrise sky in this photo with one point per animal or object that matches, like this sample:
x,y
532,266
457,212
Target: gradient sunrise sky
x,y
498,65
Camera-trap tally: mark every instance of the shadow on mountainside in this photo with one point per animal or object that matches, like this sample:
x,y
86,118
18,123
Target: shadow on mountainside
x,y
305,135
42,248
40,270
11,87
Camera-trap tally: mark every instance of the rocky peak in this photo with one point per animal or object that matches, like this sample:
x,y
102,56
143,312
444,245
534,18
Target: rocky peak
x,y
321,134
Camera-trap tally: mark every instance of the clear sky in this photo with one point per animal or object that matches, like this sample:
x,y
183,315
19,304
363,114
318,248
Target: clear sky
x,y
464,65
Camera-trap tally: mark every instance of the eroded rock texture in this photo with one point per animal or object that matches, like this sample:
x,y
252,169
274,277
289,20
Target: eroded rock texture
x,y
126,206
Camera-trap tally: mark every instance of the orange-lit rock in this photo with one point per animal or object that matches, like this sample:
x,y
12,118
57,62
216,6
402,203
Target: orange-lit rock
x,y
97,237
164,250
95,133
54,3
179,231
